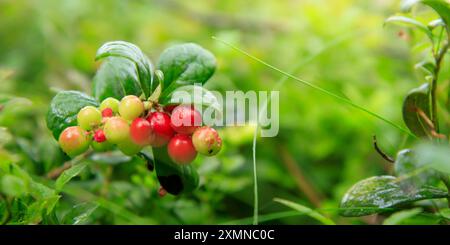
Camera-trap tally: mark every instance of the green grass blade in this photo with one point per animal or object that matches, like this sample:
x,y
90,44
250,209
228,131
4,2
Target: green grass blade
x,y
255,180
324,91
305,210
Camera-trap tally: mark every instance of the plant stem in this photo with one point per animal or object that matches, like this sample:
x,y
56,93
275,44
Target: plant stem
x,y
438,57
255,180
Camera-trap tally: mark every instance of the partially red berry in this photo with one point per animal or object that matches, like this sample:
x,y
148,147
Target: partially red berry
x,y
162,192
74,140
181,150
161,129
206,141
107,112
99,136
185,119
141,132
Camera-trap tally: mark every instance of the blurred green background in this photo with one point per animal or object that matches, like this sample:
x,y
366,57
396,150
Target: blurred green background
x,y
323,146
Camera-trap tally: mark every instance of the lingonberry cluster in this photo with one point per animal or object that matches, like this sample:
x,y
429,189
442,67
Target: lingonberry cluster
x,y
132,124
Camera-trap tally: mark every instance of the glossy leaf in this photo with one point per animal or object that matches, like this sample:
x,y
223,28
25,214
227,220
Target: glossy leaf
x,y
305,210
80,213
406,21
129,51
116,78
435,23
175,178
70,173
415,171
426,66
185,64
381,193
435,156
417,99
110,157
64,109
441,7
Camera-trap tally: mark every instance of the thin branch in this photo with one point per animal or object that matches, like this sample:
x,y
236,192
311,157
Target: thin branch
x,y
430,124
438,57
302,183
382,154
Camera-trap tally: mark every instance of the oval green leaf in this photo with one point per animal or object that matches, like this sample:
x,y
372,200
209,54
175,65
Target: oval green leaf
x,y
441,7
69,174
185,64
416,99
383,193
143,68
174,178
406,21
414,171
64,108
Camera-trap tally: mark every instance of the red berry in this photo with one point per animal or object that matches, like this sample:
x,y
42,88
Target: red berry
x,y
181,150
141,132
107,112
185,119
162,192
99,136
161,129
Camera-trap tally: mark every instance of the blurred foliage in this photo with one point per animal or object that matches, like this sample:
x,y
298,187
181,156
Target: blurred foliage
x,y
48,45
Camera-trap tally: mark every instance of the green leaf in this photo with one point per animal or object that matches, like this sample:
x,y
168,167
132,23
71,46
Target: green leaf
x,y
12,185
435,156
417,98
110,157
185,64
441,7
398,217
427,66
193,94
408,165
138,70
68,174
116,78
435,23
445,213
175,178
305,210
64,109
80,213
382,193
403,20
